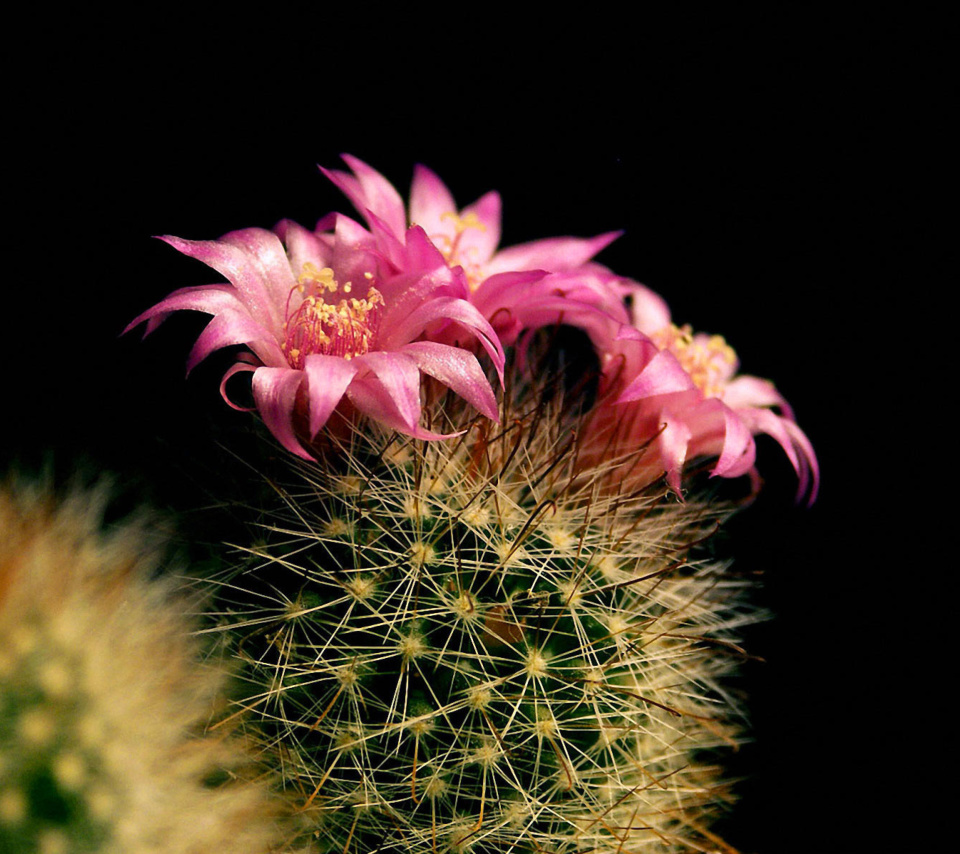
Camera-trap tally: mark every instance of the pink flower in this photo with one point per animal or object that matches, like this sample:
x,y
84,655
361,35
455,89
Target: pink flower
x,y
677,396
329,329
521,287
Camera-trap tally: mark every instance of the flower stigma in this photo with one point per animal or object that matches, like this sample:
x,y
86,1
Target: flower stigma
x,y
708,360
345,328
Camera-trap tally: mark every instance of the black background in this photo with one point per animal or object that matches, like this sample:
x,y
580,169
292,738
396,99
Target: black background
x,y
763,169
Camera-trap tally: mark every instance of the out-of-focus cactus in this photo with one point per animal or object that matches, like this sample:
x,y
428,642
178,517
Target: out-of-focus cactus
x,y
476,645
104,700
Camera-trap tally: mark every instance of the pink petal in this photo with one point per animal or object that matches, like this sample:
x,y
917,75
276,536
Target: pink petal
x,y
445,308
233,263
275,393
388,243
738,452
265,252
303,247
327,380
648,310
747,391
429,200
232,371
388,389
556,254
481,243
505,290
663,374
211,299
419,253
791,438
809,466
672,443
232,327
370,191
458,370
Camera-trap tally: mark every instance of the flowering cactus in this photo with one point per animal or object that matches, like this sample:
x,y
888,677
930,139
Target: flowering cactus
x,y
501,638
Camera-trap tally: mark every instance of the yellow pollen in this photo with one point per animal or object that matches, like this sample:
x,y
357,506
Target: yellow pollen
x,y
462,223
343,328
708,362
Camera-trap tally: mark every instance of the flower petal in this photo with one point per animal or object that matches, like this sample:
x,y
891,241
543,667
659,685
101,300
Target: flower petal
x,y
672,443
233,327
738,452
388,389
457,311
479,244
429,200
792,439
557,254
327,380
663,374
748,391
211,299
275,393
370,191
234,263
457,369
648,310
232,371
303,247
266,254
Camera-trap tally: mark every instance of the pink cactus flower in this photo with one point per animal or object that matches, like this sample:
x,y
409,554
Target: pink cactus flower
x,y
521,287
677,396
330,329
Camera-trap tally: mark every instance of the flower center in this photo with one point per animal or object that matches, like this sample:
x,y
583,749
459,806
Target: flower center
x,y
345,327
450,246
706,360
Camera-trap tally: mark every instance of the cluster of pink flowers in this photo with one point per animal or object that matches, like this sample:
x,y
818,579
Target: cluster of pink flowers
x,y
346,319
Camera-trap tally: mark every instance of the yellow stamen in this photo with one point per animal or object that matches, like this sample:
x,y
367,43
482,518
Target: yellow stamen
x,y
345,328
707,362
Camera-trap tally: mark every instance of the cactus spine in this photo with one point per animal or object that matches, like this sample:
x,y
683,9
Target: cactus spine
x,y
472,646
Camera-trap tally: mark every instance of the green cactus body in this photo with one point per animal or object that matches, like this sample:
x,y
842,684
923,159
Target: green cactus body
x,y
469,647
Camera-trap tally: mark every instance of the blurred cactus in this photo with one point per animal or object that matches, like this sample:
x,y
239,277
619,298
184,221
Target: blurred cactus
x,y
104,701
473,646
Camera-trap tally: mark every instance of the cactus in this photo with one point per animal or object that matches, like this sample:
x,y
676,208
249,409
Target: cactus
x,y
104,700
477,646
